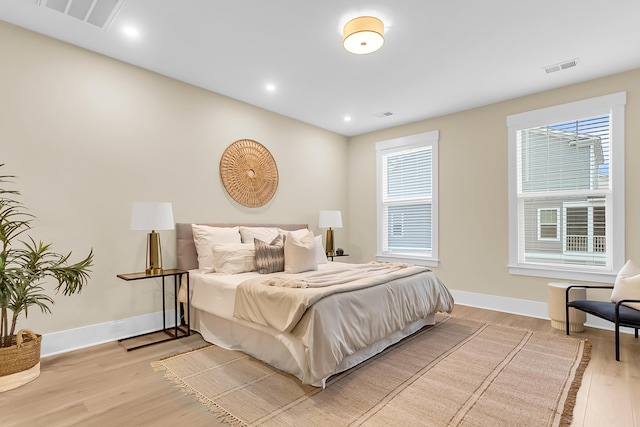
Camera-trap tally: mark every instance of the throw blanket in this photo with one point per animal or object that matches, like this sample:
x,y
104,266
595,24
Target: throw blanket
x,y
337,277
282,303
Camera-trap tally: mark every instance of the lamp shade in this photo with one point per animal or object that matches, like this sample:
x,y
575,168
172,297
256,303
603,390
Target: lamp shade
x,y
152,216
363,35
330,219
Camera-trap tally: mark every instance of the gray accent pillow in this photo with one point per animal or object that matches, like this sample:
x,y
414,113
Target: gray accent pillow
x,y
269,256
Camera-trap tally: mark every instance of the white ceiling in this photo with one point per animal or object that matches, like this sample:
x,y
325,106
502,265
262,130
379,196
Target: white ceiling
x,y
440,56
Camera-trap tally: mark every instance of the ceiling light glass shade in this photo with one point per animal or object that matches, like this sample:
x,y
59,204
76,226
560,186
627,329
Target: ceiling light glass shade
x,y
363,35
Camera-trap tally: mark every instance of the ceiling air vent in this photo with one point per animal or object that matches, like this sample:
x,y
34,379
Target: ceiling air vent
x,y
384,114
98,13
552,69
561,66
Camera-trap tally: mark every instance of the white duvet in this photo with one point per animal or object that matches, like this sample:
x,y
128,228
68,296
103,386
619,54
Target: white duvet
x,y
336,327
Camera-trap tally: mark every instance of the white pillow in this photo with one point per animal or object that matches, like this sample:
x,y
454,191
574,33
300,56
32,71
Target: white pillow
x,y
298,234
627,285
266,234
204,236
300,254
233,258
320,251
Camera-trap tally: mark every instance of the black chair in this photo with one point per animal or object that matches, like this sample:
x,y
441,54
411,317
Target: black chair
x,y
619,314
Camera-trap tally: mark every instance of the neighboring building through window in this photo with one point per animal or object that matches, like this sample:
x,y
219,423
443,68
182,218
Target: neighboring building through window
x,y
548,224
585,229
566,190
407,199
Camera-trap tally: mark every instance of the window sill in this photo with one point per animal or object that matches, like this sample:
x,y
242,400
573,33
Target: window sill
x,y
427,262
564,274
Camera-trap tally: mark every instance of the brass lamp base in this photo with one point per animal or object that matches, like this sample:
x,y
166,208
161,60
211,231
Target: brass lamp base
x,y
329,243
154,254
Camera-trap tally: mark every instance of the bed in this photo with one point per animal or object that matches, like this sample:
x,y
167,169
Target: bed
x,y
314,323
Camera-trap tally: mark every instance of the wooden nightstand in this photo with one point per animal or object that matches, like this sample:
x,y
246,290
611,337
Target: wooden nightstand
x,y
173,332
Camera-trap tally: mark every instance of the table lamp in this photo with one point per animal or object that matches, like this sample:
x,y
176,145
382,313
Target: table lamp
x,y
329,220
152,216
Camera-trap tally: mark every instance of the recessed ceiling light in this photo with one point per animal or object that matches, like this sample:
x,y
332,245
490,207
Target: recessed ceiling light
x,y
347,119
271,87
130,31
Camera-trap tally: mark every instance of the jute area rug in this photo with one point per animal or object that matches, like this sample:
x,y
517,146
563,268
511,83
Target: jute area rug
x,y
459,372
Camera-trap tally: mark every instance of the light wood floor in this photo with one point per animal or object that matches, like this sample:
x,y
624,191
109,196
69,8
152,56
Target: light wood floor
x,y
108,386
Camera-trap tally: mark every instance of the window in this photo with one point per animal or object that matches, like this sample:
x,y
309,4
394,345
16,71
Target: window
x,y
407,199
566,190
585,229
548,224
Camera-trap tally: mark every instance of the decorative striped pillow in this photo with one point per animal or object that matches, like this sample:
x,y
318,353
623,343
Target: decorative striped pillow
x,y
269,256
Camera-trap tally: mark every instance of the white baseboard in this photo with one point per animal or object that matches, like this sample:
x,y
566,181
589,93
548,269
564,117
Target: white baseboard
x,y
502,304
522,307
87,336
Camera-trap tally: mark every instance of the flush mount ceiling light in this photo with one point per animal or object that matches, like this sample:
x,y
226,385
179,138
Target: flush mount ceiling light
x,y
362,35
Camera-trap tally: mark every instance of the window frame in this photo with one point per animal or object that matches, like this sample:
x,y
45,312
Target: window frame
x,y
421,140
614,105
557,224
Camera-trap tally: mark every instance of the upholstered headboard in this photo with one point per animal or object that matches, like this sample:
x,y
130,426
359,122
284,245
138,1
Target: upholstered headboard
x,y
186,248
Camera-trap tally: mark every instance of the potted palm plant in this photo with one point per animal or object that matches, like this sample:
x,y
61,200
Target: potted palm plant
x,y
27,266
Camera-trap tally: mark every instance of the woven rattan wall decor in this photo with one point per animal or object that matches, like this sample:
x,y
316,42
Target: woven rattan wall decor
x,y
249,173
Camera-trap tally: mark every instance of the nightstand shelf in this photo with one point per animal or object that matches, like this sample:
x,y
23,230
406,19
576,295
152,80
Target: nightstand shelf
x,y
330,257
180,329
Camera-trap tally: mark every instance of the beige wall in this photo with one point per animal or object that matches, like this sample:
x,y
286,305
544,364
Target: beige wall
x,y
87,135
473,188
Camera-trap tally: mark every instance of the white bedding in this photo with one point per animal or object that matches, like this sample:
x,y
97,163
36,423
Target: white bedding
x,y
213,299
216,293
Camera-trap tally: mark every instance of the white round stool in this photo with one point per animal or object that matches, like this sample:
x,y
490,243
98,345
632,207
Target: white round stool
x,y
556,306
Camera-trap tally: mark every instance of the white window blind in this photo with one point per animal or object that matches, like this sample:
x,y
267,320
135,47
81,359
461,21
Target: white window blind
x,y
562,206
406,202
565,166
